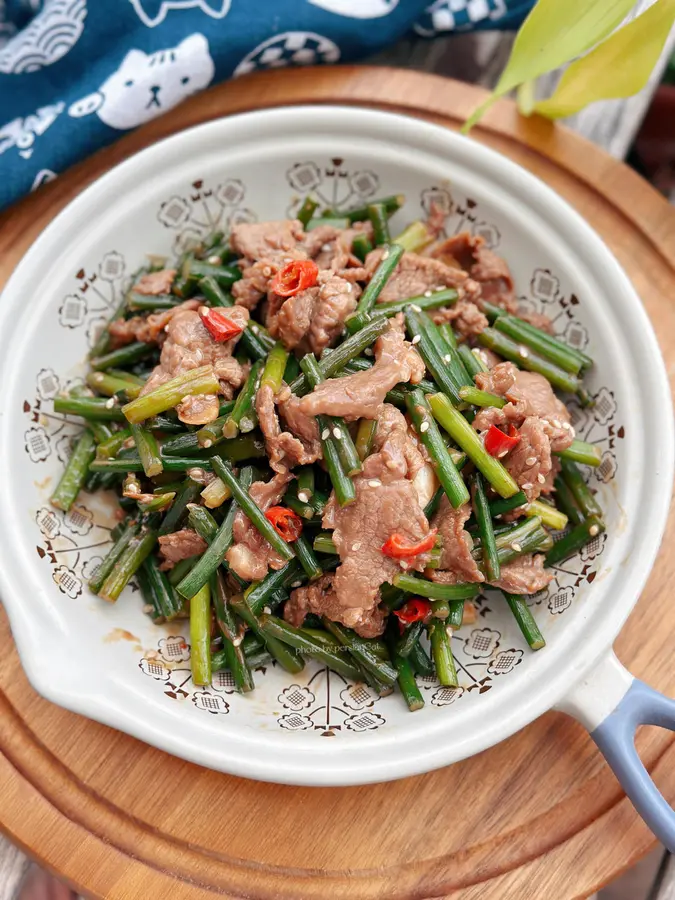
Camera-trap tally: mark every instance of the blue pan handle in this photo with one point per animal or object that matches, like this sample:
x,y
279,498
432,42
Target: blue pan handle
x,y
612,704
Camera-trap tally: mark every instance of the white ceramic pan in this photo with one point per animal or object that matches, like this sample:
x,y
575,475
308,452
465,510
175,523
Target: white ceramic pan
x,y
261,166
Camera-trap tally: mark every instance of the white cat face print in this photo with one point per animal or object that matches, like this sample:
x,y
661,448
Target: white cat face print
x,y
146,85
153,12
51,34
292,48
358,9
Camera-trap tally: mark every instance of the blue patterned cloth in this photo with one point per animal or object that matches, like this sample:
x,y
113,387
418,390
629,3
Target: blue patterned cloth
x,y
75,74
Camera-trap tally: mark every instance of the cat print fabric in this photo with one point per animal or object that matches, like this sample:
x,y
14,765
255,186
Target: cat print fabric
x,y
146,85
75,74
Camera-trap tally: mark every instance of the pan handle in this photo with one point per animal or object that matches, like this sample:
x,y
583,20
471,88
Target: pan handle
x,y
611,704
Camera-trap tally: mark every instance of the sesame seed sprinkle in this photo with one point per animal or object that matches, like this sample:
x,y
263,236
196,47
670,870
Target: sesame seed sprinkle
x,y
516,547
303,497
424,427
527,486
427,293
530,461
337,433
374,483
523,352
214,260
296,584
403,564
255,329
267,610
502,454
385,255
325,434
593,530
416,307
541,478
237,641
448,630
207,443
99,376
148,608
368,351
566,426
556,423
356,546
416,339
447,358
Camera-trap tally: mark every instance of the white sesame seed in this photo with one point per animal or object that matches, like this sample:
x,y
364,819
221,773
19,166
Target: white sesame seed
x,y
337,433
416,339
448,630
516,547
523,352
527,485
296,584
427,293
109,404
326,248
566,426
385,255
368,351
132,489
99,376
572,432
439,287
530,461
148,608
325,434
349,288
267,271
237,641
403,564
374,483
255,329
502,454
593,530
556,423
424,427
447,358
203,310
303,496
356,546
214,260
166,328
416,307
207,443
541,479
267,610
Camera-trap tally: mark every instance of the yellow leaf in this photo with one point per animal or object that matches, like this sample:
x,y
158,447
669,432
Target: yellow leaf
x,y
619,67
555,32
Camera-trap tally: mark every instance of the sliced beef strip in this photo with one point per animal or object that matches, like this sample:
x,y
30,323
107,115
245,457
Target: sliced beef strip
x,y
465,317
155,282
147,329
470,253
256,276
386,503
529,394
255,240
180,545
415,274
361,395
251,555
321,599
333,250
525,575
530,460
189,345
457,565
314,318
300,445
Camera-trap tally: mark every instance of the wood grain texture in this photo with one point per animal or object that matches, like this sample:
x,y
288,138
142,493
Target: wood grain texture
x,y
537,816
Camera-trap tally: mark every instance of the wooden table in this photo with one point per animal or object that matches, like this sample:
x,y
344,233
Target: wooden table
x,y
537,816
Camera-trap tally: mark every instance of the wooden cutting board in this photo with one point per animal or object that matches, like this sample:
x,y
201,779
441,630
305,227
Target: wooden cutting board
x,y
539,816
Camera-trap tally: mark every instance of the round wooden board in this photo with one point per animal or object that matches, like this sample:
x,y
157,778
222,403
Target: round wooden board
x,y
537,816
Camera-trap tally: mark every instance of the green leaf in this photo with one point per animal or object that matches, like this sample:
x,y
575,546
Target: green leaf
x,y
619,67
555,32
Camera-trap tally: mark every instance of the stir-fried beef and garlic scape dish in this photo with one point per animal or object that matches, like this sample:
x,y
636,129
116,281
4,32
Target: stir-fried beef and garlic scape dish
x,y
326,442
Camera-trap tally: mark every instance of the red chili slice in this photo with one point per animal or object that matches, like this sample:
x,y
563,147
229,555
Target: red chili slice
x,y
497,443
286,524
412,611
295,276
397,549
218,325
